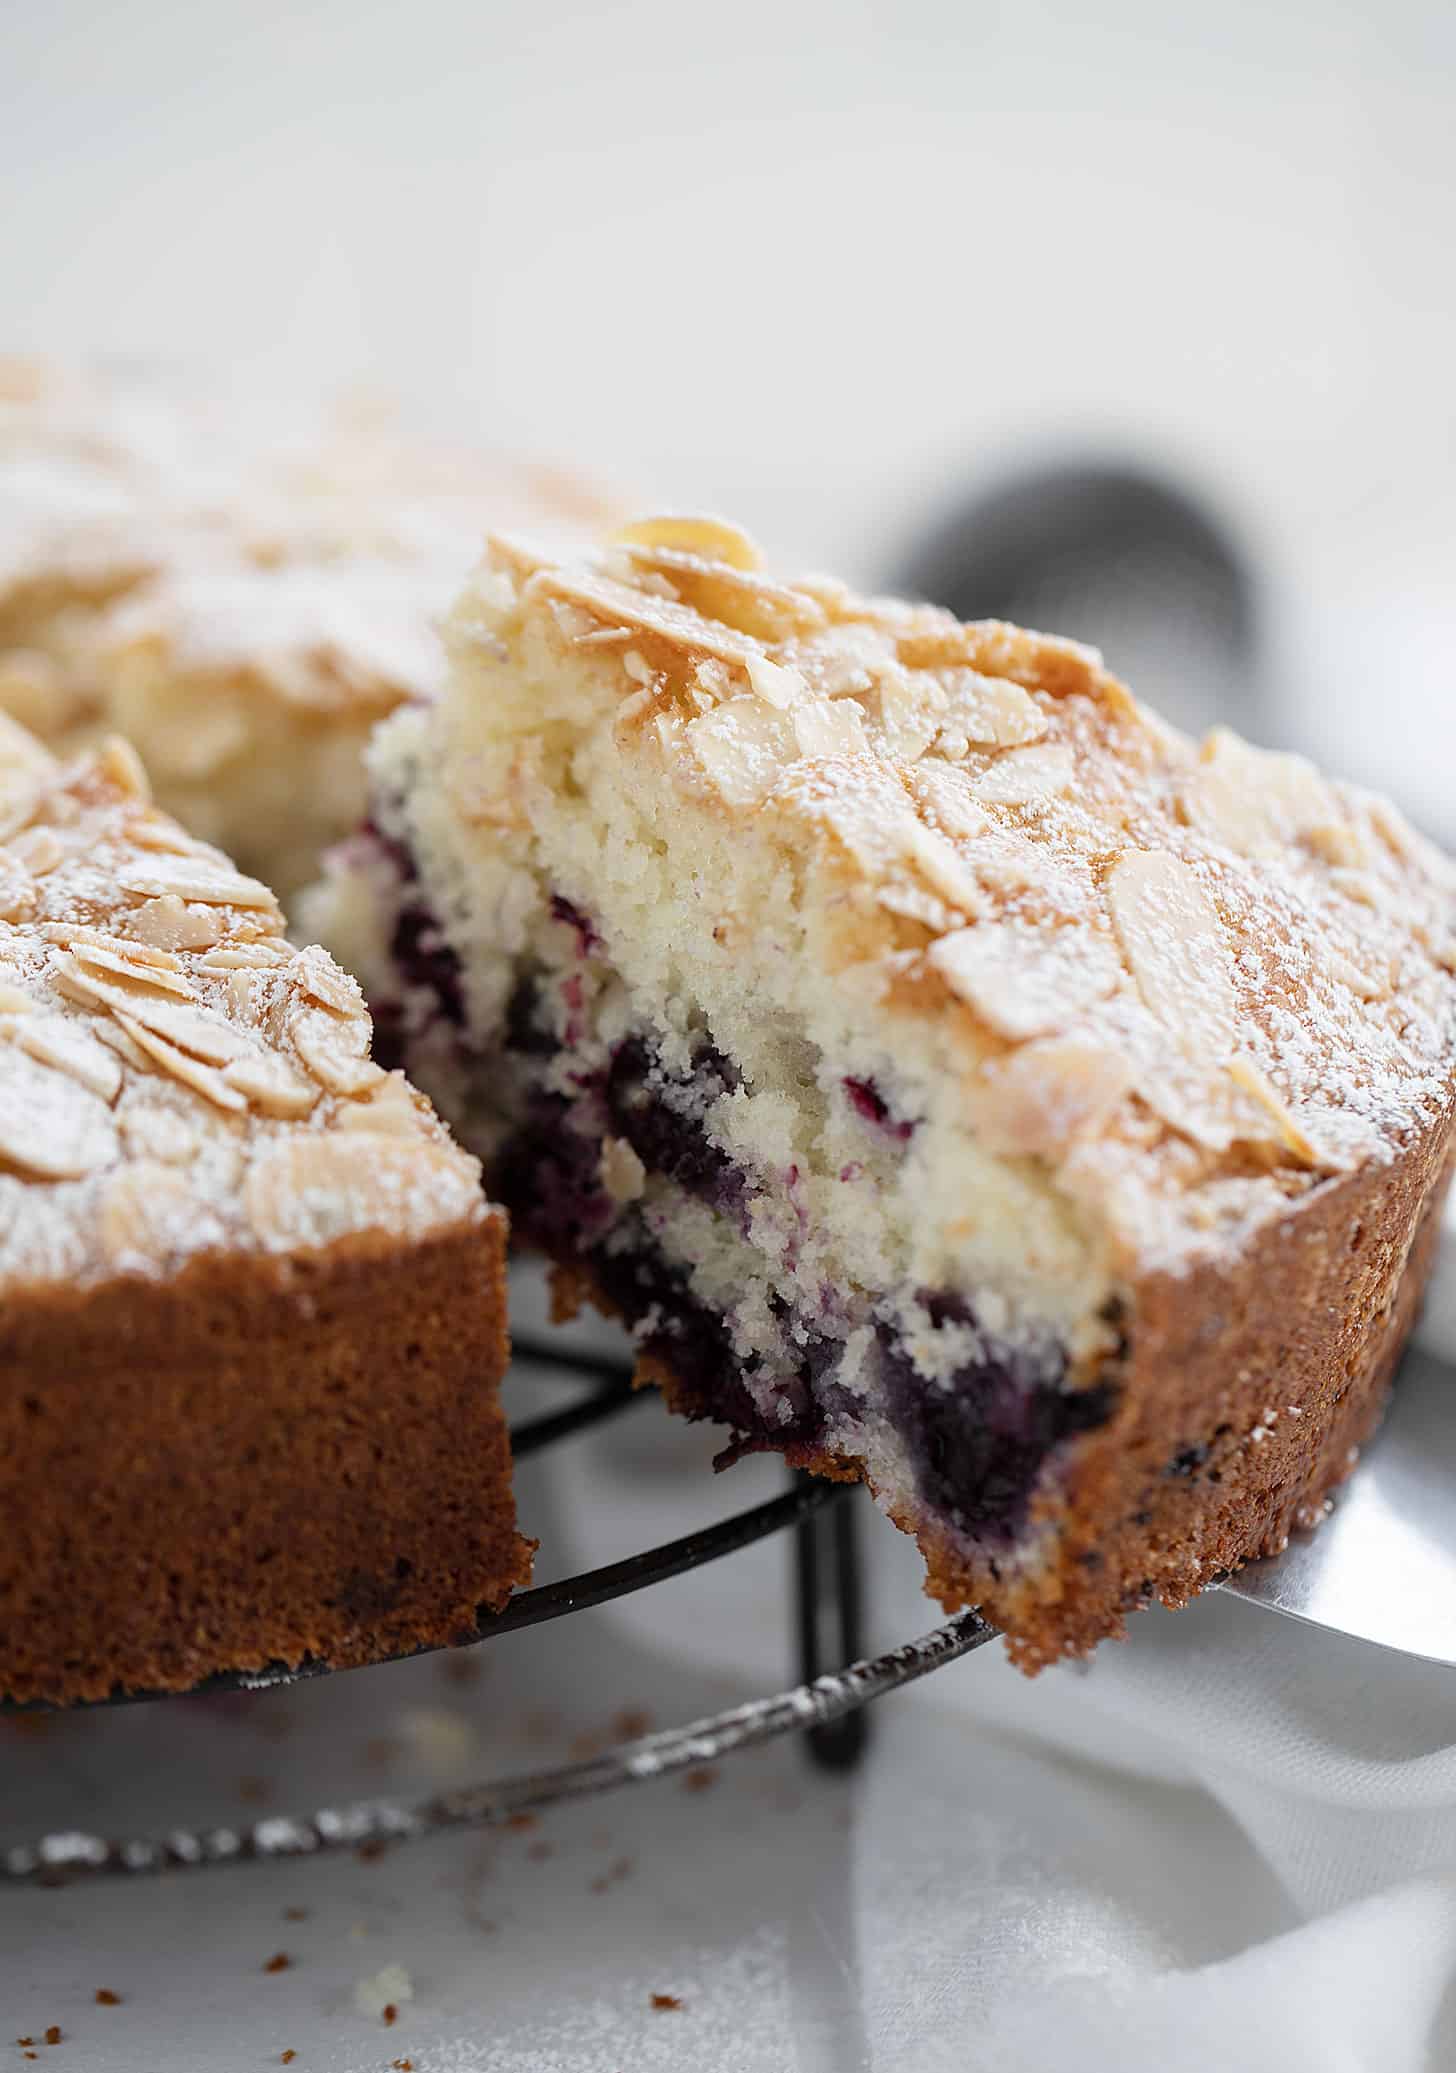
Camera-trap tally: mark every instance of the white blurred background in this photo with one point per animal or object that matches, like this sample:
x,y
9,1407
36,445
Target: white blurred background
x,y
828,267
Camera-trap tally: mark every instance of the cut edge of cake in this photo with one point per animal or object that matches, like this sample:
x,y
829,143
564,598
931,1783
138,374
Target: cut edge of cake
x,y
952,1075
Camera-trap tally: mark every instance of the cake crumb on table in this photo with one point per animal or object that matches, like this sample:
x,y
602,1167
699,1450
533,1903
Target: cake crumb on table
x,y
381,1995
295,1914
53,2034
389,2015
666,2001
402,2065
106,1999
279,1962
286,2058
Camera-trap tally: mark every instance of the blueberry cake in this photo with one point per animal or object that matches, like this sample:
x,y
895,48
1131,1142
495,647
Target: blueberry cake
x,y
240,586
953,1076
251,1296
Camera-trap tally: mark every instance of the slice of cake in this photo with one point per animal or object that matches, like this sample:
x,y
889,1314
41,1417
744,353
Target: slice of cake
x,y
241,586
952,1075
251,1297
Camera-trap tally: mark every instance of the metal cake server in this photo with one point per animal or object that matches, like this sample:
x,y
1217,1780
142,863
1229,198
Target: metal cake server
x,y
1383,1566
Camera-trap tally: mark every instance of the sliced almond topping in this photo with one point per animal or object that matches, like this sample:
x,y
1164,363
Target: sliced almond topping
x,y
711,538
936,860
335,1050
69,1046
774,682
829,727
975,711
1338,842
1023,777
1252,800
1041,1098
156,1130
50,1125
263,956
321,979
17,889
118,762
743,748
71,934
1247,1076
202,1079
944,796
271,1086
149,1215
169,924
116,1039
196,879
38,850
14,999
138,971
1024,981
156,832
1176,949
390,1108
312,1189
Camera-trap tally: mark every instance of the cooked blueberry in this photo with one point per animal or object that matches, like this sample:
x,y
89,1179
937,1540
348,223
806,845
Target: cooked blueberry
x,y
867,1101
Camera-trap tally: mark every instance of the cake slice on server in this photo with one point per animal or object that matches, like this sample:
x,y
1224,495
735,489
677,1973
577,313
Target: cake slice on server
x,y
251,1296
953,1076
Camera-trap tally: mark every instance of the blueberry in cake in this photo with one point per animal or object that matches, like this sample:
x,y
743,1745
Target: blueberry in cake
x,y
251,1296
241,585
953,1076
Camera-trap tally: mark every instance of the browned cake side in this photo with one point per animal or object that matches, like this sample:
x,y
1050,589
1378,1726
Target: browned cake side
x,y
1247,1394
260,1461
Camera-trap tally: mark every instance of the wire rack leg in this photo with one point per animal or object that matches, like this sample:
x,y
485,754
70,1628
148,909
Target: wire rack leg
x,y
830,1619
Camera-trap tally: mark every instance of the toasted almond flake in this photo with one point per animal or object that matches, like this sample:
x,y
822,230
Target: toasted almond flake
x,y
272,1087
197,1029
311,1189
137,971
774,682
713,539
743,748
322,980
155,832
938,863
262,956
17,889
335,1050
1041,1098
169,924
202,1079
1024,981
199,879
116,1039
1338,842
829,727
942,794
622,1173
149,1215
50,1125
390,1107
118,762
71,934
155,1129
1247,1076
1176,949
1024,777
58,1041
1252,800
38,850
978,711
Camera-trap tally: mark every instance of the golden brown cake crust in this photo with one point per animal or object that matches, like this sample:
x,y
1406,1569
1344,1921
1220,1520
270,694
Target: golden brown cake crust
x,y
258,1461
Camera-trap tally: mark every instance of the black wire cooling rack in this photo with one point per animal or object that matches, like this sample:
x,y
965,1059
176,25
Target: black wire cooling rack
x,y
826,1705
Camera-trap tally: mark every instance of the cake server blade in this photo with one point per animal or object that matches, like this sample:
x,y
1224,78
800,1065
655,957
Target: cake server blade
x,y
1382,1567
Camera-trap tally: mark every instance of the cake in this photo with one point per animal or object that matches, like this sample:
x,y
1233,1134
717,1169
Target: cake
x,y
251,1295
240,586
953,1076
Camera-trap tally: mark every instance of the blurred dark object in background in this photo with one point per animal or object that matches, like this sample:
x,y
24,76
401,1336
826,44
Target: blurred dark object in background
x,y
1115,556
